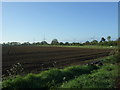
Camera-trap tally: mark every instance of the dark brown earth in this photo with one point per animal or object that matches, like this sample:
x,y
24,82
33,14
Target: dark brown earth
x,y
36,58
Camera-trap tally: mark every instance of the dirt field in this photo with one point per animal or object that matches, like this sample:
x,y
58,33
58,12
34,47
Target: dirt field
x,y
36,58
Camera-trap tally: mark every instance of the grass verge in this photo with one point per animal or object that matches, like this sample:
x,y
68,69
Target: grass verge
x,y
84,76
102,78
84,46
47,79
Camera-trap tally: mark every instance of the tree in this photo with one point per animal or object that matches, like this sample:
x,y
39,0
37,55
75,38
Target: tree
x,y
25,43
67,43
103,39
54,42
108,38
94,42
37,43
14,43
87,43
75,44
44,43
61,43
3,44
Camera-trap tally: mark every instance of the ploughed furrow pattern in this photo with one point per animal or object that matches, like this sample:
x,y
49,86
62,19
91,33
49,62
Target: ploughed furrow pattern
x,y
79,58
35,58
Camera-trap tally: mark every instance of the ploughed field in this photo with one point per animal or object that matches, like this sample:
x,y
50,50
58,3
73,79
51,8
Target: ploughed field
x,y
37,58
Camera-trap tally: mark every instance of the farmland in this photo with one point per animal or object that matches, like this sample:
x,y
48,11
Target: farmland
x,y
37,58
78,76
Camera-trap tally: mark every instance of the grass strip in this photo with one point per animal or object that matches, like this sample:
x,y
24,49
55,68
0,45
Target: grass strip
x,y
47,79
101,78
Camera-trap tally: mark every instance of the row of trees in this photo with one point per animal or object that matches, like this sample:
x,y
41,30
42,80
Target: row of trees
x,y
103,41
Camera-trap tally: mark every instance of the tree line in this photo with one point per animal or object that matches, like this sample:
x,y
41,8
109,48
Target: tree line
x,y
102,42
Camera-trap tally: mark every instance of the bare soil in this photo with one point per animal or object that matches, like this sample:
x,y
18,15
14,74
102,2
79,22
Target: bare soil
x,y
37,58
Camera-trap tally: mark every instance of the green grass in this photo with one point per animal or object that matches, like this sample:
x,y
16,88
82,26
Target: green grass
x,y
47,79
0,84
102,78
94,46
84,76
84,46
111,59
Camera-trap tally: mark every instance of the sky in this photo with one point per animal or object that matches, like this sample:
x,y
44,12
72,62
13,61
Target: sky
x,y
65,21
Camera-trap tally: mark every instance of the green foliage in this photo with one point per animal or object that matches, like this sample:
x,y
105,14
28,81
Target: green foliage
x,y
43,43
108,38
26,43
67,43
102,39
102,78
47,79
72,72
61,43
108,43
111,59
54,42
94,42
84,76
